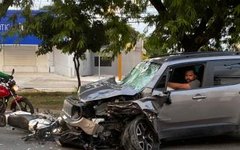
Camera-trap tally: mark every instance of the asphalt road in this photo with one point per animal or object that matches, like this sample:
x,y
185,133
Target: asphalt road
x,y
12,140
228,142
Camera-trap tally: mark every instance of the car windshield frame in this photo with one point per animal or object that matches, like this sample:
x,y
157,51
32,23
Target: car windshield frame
x,y
141,75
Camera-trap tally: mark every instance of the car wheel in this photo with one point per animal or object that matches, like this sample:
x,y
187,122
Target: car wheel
x,y
139,135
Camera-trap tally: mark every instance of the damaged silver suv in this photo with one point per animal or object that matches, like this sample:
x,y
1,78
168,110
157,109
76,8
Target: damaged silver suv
x,y
139,112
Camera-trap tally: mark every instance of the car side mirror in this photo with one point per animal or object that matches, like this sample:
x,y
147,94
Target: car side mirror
x,y
158,93
162,94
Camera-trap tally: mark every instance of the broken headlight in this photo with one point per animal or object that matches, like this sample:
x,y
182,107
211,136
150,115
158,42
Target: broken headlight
x,y
71,110
76,113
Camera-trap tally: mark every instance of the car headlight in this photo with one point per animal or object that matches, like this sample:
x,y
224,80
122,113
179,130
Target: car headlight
x,y
76,113
15,88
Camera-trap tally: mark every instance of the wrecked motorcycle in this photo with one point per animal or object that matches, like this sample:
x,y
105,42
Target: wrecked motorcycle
x,y
8,89
105,115
42,126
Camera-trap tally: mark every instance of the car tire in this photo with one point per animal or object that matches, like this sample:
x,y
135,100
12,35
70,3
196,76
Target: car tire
x,y
140,135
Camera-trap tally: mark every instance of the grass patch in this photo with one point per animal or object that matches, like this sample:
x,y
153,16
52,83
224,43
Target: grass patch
x,y
46,100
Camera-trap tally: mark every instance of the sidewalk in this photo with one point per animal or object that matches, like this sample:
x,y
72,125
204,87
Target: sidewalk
x,y
50,82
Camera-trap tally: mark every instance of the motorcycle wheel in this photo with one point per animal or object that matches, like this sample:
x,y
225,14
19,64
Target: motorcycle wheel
x,y
2,115
2,106
2,120
25,105
139,135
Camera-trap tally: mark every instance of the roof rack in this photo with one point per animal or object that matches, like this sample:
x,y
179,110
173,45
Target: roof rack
x,y
178,56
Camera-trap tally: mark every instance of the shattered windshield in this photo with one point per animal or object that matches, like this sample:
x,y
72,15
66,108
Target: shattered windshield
x,y
140,75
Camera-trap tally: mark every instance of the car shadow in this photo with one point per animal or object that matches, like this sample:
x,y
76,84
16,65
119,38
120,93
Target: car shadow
x,y
214,142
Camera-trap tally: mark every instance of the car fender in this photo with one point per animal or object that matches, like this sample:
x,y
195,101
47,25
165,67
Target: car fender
x,y
148,106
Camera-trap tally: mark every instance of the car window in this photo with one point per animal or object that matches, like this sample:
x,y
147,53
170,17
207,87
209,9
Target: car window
x,y
226,73
177,74
161,83
140,75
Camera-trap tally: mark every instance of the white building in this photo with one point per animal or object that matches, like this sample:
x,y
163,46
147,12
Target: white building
x,y
24,59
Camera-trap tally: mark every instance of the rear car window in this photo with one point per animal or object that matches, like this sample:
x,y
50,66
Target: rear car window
x,y
226,73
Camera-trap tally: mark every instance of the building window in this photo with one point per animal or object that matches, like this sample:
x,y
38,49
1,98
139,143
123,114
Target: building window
x,y
104,61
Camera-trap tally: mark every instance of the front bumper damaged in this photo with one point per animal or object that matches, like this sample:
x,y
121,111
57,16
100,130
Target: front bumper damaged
x,y
88,126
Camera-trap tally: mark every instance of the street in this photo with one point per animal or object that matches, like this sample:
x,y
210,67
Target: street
x,y
227,142
11,139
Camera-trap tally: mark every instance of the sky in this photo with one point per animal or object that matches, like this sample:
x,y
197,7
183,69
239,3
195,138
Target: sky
x,y
37,4
142,28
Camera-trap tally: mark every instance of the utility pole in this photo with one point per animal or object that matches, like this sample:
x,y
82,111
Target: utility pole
x,y
119,67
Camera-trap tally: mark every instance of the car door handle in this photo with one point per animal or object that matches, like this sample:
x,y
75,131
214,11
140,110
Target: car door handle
x,y
199,97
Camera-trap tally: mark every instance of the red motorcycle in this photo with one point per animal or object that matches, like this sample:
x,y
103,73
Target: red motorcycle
x,y
8,89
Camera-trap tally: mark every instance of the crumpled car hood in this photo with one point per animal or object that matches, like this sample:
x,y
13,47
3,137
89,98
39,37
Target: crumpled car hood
x,y
104,89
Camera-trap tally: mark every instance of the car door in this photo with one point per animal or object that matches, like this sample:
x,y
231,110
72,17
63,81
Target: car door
x,y
223,94
207,107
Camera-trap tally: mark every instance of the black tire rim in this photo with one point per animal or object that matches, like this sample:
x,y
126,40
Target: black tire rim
x,y
145,136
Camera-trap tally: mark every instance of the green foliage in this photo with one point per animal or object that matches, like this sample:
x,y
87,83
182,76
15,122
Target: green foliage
x,y
24,5
76,26
119,36
189,25
154,47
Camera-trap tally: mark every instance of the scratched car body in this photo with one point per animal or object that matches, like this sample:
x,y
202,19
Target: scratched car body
x,y
140,111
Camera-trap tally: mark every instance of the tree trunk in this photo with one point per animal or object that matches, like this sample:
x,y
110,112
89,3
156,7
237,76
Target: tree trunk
x,y
77,68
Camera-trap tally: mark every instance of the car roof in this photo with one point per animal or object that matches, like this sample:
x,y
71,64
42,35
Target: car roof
x,y
186,56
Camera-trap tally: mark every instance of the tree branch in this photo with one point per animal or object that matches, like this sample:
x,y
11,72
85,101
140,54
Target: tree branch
x,y
203,24
193,43
159,6
77,67
214,29
4,7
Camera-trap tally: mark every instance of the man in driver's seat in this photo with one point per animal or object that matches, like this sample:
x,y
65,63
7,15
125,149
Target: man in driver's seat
x,y
191,81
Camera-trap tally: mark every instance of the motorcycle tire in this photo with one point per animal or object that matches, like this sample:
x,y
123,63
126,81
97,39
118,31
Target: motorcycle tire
x,y
2,106
2,120
25,105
